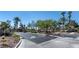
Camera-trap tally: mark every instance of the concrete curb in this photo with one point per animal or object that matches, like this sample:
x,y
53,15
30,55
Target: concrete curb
x,y
18,43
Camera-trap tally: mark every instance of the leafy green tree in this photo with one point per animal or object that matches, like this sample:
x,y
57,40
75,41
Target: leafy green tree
x,y
46,24
4,25
72,24
40,24
55,25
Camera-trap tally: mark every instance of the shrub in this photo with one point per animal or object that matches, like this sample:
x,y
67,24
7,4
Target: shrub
x,y
17,37
32,30
4,40
5,45
7,32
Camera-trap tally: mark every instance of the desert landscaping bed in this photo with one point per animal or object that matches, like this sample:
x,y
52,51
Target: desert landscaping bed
x,y
8,42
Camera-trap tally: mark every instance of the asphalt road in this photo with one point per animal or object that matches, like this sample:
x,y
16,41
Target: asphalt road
x,y
42,41
36,38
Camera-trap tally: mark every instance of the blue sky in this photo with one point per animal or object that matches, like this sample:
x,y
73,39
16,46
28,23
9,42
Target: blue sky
x,y
28,16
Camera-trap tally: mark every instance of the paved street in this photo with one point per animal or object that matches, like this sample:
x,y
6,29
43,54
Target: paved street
x,y
42,41
36,38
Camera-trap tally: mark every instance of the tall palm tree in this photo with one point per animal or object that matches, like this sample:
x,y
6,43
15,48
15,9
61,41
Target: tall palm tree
x,y
63,19
29,25
22,27
9,23
33,24
69,18
69,15
16,21
63,13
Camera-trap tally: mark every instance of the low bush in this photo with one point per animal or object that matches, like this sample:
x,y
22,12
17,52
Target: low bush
x,y
32,30
7,33
5,45
17,37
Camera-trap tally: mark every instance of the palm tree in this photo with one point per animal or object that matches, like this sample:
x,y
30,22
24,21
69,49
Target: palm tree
x,y
63,13
33,24
69,15
16,21
29,26
22,27
9,23
63,20
69,19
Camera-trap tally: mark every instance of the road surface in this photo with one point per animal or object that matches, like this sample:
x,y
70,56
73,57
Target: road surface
x,y
42,41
